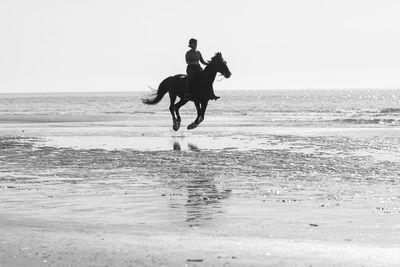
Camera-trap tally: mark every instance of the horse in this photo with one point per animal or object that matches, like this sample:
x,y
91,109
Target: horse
x,y
200,93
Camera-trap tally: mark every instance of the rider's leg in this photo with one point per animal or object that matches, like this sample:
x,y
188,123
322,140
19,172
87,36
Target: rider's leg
x,y
213,96
187,94
192,71
189,74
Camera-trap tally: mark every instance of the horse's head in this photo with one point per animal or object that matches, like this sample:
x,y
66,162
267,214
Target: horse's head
x,y
221,65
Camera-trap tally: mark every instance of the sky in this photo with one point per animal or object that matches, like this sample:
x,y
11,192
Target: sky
x,y
125,45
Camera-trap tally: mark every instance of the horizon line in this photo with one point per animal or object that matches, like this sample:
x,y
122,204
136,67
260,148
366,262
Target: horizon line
x,y
232,89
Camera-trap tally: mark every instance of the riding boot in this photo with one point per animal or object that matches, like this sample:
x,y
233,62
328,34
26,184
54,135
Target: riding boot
x,y
213,96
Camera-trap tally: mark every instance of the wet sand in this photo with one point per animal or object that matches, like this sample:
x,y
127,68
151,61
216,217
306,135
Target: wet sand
x,y
42,243
108,192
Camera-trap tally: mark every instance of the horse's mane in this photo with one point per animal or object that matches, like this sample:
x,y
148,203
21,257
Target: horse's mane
x,y
216,58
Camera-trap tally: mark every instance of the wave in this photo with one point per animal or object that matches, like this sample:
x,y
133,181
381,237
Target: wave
x,y
370,121
129,112
390,110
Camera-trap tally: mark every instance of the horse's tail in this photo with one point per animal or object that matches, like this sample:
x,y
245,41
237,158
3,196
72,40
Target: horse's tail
x,y
163,88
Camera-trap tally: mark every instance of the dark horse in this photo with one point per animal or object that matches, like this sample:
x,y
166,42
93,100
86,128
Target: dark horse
x,y
200,93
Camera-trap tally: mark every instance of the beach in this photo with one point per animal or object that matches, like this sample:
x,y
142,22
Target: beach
x,y
96,180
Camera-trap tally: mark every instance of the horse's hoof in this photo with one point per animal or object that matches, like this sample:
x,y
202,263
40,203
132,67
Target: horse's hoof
x,y
192,126
177,125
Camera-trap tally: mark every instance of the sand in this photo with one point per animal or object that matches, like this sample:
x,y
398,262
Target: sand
x,y
42,243
107,192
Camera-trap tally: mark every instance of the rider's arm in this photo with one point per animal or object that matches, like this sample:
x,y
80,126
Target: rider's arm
x,y
201,58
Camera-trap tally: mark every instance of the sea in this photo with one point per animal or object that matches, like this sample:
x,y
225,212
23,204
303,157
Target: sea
x,y
280,159
320,108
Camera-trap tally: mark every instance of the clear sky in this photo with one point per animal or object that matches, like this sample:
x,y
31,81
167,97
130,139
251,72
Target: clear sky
x,y
118,45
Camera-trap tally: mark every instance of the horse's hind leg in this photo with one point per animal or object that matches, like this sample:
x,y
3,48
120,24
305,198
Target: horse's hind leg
x,y
175,121
178,105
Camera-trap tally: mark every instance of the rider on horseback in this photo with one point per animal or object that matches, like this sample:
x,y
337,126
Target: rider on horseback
x,y
193,57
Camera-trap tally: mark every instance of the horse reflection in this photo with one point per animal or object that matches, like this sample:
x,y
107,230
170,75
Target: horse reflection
x,y
193,147
176,146
203,199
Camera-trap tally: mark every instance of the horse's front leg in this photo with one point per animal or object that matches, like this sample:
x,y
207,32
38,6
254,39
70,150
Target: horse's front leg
x,y
203,110
199,118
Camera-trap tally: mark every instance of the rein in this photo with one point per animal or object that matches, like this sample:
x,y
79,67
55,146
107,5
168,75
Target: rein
x,y
220,75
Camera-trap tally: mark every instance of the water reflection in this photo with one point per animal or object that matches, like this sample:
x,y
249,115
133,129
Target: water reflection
x,y
206,143
178,147
204,197
193,147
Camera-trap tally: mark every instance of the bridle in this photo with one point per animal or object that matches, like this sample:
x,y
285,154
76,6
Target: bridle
x,y
222,77
220,74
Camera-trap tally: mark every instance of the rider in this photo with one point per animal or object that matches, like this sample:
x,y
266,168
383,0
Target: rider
x,y
193,57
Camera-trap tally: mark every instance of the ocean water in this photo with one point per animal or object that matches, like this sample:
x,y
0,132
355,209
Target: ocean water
x,y
357,107
265,163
